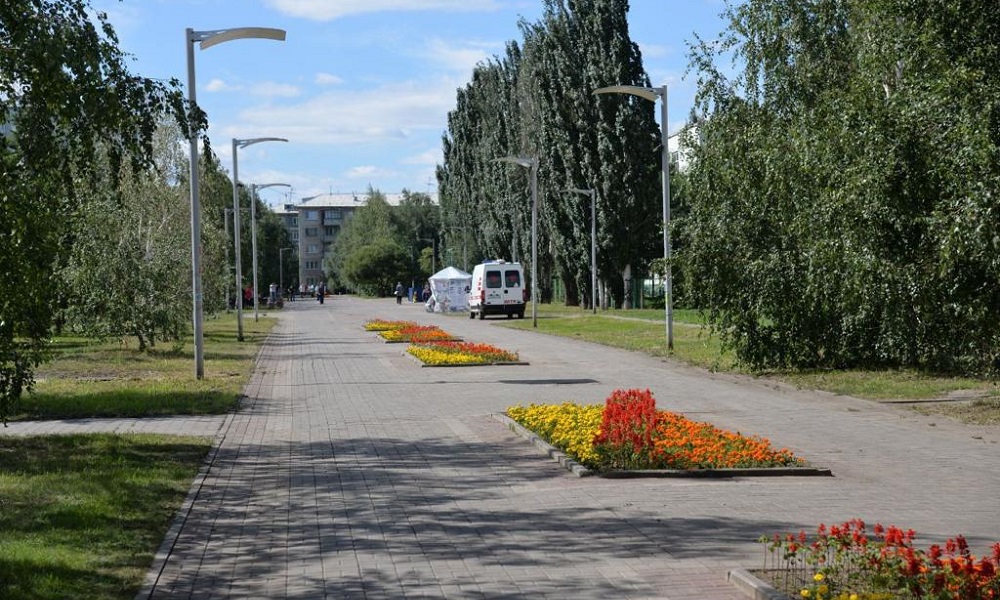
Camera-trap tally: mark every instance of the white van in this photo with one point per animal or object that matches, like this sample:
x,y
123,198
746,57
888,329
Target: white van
x,y
497,288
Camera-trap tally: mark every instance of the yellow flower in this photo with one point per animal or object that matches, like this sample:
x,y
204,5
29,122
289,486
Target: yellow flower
x,y
854,597
818,577
804,593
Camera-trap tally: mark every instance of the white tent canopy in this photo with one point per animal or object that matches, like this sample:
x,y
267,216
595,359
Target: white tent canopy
x,y
448,290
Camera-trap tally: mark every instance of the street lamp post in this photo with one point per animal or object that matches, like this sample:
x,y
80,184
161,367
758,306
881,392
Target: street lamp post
x,y
531,163
225,225
593,243
237,144
254,188
652,94
207,39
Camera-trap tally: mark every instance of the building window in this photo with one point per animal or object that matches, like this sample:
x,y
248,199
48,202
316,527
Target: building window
x,y
312,231
330,230
312,264
331,214
295,236
312,249
295,221
312,215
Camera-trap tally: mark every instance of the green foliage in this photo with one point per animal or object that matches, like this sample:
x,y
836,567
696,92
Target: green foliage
x,y
426,261
842,203
271,237
216,197
417,220
132,279
378,245
374,268
72,106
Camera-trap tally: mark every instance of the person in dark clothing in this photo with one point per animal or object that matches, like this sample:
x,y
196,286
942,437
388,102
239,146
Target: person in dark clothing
x,y
399,292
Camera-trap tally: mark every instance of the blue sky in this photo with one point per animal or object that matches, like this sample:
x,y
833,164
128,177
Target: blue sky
x,y
362,88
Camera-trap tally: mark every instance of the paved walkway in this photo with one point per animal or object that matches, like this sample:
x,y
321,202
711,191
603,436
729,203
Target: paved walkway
x,y
352,472
205,426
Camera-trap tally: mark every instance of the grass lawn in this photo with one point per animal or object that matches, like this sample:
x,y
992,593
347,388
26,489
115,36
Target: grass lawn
x,y
985,411
81,516
644,331
88,378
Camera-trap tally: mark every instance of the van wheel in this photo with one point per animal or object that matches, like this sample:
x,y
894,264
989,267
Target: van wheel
x,y
482,315
472,315
520,315
510,315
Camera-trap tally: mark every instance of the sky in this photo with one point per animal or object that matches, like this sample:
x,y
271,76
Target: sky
x,y
362,88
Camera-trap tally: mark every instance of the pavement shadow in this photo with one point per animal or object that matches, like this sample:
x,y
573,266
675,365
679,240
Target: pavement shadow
x,y
432,501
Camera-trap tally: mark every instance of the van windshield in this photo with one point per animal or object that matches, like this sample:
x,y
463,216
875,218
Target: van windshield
x,y
513,278
493,279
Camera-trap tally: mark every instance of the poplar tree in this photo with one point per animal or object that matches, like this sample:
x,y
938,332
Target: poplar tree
x,y
538,101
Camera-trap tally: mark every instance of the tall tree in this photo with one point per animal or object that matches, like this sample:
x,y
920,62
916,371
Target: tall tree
x,y
65,92
368,256
417,222
272,236
605,143
842,204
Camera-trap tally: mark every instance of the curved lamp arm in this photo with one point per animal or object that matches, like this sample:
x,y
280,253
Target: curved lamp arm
x,y
650,94
219,36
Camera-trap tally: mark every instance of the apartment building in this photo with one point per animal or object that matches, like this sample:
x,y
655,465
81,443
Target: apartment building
x,y
315,224
679,146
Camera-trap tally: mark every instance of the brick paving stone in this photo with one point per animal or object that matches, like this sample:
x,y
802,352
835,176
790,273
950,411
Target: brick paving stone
x,y
352,472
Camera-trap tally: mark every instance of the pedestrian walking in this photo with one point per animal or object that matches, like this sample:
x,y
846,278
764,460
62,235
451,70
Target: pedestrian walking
x,y
399,292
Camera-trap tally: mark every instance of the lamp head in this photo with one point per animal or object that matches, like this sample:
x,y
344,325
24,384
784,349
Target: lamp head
x,y
219,36
260,186
243,143
650,94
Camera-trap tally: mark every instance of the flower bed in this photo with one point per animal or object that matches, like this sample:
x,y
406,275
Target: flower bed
x,y
384,325
628,433
417,334
845,563
439,354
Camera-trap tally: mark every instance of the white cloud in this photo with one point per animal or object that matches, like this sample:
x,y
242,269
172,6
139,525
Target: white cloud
x,y
430,157
327,79
271,89
266,89
393,112
328,10
655,50
459,58
218,85
368,172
